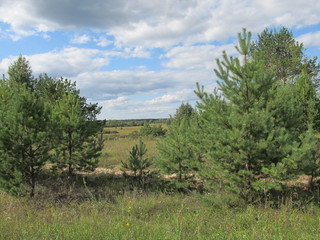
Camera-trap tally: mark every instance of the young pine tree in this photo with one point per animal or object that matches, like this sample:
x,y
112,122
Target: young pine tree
x,y
20,73
176,152
251,125
79,134
137,162
25,137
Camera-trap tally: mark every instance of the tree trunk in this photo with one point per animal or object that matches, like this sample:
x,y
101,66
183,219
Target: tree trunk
x,y
180,171
32,182
70,169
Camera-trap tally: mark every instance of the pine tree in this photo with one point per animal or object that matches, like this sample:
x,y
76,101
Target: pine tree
x,y
25,136
78,135
137,162
20,72
177,155
251,125
10,176
79,141
51,89
37,114
284,56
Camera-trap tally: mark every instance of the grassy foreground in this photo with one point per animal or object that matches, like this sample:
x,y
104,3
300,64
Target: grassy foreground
x,y
154,216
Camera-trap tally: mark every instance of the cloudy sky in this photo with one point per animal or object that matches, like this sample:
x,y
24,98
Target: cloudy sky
x,y
141,58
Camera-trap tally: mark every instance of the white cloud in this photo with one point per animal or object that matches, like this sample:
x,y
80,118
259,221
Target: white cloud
x,y
136,52
125,108
162,107
108,84
116,103
103,42
5,63
195,57
150,112
310,39
19,14
81,39
71,62
181,96
136,111
157,23
68,62
290,13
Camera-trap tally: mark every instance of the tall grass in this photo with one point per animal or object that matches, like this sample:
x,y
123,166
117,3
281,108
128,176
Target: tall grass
x,y
153,216
117,146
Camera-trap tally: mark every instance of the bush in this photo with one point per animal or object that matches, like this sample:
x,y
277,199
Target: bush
x,y
156,131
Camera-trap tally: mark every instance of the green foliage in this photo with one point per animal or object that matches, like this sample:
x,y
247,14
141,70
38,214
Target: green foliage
x,y
20,72
137,161
152,131
283,55
176,152
11,178
26,131
44,120
308,99
253,127
185,111
52,90
79,134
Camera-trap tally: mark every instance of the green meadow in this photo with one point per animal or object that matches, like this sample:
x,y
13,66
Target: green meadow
x,y
134,215
102,206
117,146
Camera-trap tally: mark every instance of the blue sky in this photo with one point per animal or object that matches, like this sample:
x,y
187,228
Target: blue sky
x,y
141,58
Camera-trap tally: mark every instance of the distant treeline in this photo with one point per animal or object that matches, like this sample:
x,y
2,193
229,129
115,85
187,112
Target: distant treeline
x,y
134,122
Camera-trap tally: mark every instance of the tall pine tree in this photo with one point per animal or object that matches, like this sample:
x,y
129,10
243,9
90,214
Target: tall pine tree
x,y
251,124
25,136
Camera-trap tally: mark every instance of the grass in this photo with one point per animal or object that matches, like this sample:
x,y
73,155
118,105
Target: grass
x,y
153,216
126,131
117,146
122,131
102,206
117,150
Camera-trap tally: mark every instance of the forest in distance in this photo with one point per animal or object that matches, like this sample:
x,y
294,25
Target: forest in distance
x,y
246,153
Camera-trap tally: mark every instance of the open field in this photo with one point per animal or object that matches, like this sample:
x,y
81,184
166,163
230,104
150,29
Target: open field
x,y
118,145
117,150
121,131
126,131
154,216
